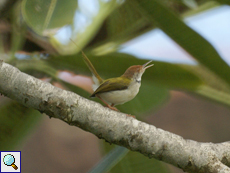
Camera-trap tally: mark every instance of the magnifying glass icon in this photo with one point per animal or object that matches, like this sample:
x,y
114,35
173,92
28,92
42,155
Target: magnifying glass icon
x,y
9,160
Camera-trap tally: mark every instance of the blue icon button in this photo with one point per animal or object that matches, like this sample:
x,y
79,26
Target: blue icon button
x,y
9,160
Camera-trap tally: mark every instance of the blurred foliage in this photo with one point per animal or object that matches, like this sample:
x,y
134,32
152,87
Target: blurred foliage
x,y
110,160
47,15
100,27
15,122
132,162
203,51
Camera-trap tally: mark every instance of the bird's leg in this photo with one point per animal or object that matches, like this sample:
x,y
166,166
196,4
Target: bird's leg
x,y
113,108
112,105
128,115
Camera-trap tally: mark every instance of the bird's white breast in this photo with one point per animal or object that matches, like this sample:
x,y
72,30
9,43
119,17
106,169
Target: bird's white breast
x,y
121,96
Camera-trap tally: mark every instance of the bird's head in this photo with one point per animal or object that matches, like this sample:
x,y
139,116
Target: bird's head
x,y
136,71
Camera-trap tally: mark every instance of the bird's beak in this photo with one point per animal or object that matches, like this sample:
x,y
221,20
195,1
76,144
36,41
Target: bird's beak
x,y
145,65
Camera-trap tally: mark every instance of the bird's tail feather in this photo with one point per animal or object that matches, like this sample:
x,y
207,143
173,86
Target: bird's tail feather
x,y
91,68
96,78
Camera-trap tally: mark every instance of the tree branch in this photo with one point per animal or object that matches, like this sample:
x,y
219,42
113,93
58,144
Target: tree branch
x,y
114,127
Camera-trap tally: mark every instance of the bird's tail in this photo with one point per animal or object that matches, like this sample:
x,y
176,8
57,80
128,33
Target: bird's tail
x,y
92,69
96,78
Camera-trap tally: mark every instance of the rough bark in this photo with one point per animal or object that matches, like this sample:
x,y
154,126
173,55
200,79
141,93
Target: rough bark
x,y
114,127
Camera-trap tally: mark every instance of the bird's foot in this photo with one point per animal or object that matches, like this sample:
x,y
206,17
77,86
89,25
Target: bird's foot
x,y
107,105
129,115
113,108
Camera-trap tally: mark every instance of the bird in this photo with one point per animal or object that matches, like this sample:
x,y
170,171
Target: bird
x,y
118,90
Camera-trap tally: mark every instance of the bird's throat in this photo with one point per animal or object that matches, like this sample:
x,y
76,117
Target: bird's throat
x,y
138,81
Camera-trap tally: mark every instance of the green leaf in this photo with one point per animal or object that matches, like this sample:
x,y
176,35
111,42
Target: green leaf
x,y
18,30
84,27
214,87
110,160
33,65
214,94
126,22
48,14
61,20
201,8
190,3
187,38
15,123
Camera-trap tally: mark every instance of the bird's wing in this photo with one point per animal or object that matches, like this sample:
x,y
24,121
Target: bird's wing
x,y
111,84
